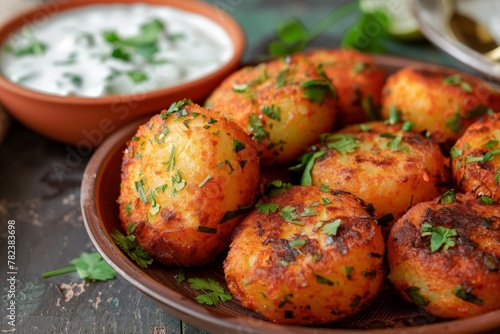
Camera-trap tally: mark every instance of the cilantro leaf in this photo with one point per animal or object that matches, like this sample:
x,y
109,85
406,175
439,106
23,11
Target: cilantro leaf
x,y
306,165
214,292
276,187
129,245
289,214
440,236
331,228
257,128
266,208
89,266
456,80
413,293
467,295
448,197
340,142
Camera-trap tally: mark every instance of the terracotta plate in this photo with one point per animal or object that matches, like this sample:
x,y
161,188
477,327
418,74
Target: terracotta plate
x,y
100,189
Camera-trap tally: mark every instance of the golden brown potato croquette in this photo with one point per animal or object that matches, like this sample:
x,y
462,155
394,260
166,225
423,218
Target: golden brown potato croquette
x,y
383,164
358,82
306,256
285,104
181,173
444,255
443,102
476,158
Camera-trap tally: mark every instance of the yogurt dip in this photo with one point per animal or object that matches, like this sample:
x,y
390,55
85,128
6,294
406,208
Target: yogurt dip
x,y
101,50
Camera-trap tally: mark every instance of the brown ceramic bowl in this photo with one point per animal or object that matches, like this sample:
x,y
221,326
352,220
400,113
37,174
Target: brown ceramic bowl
x,y
389,314
85,122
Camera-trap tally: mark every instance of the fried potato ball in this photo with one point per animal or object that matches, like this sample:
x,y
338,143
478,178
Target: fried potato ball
x,y
443,102
306,256
476,158
181,173
357,79
444,255
383,164
285,104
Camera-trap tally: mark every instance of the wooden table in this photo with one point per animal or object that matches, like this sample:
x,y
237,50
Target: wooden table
x,y
40,191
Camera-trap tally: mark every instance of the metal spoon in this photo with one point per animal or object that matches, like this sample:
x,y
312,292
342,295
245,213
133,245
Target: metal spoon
x,y
473,34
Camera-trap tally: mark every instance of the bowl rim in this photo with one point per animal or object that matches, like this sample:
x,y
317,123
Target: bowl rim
x,y
205,9
202,316
468,57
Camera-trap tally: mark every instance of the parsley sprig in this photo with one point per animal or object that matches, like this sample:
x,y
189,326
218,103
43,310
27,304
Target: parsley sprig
x,y
129,245
213,291
440,236
89,266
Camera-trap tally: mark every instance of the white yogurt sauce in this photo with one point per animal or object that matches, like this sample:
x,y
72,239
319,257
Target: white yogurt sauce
x,y
77,59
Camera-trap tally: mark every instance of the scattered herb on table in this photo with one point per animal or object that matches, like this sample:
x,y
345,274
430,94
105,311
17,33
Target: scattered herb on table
x,y
89,266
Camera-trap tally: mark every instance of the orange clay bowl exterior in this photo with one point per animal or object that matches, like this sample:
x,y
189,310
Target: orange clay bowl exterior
x,y
85,122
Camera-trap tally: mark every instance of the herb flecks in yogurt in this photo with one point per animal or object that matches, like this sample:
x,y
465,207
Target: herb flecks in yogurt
x,y
101,50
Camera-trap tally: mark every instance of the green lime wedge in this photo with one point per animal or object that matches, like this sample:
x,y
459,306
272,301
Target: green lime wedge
x,y
403,24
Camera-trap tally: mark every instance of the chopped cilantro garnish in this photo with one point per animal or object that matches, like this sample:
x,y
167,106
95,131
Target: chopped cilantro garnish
x,y
486,200
359,67
205,180
454,123
259,132
440,236
206,229
322,280
306,165
137,76
393,115
340,142
238,146
129,245
272,112
448,197
280,79
456,152
289,214
331,228
413,293
266,208
214,292
456,79
298,242
348,272
467,295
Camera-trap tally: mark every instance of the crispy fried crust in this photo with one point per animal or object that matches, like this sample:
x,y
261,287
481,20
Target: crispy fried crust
x,y
181,173
459,282
476,158
279,104
388,167
289,266
356,78
443,102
